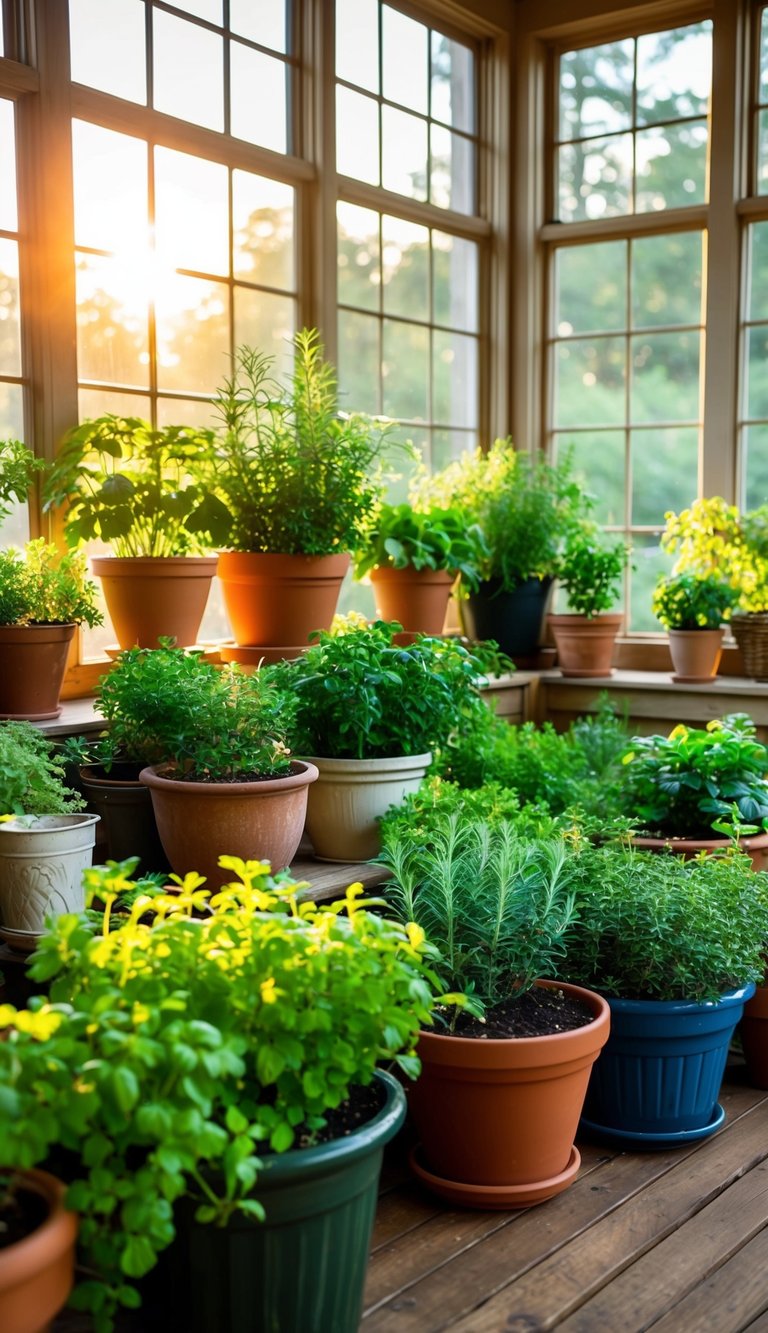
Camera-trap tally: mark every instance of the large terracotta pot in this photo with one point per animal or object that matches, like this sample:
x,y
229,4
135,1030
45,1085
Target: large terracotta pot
x,y
33,659
154,597
41,871
695,654
753,1030
585,644
200,821
417,598
36,1273
756,848
350,796
497,1118
278,600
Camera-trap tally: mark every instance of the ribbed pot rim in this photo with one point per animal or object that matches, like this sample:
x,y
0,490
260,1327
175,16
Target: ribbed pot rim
x,y
55,632
117,565
153,776
397,764
263,560
606,619
388,574
726,1000
695,633
54,1236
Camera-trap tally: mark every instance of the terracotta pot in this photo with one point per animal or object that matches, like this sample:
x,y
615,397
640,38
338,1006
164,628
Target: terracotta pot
x,y
754,1037
349,797
36,1273
200,821
756,848
497,1117
585,644
280,599
154,597
41,870
695,654
33,659
418,598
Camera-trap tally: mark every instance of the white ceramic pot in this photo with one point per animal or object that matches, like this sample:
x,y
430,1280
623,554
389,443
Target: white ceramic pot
x,y
349,797
42,859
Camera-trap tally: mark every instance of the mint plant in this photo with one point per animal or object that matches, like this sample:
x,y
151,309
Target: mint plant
x,y
403,536
32,774
590,571
39,586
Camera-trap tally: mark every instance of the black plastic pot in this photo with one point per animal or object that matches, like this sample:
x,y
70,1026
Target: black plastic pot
x,y
128,819
514,619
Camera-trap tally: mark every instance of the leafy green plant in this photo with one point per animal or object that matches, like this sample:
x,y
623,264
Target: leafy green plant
x,y
437,798
681,784
692,601
133,486
359,696
591,571
403,537
39,586
288,472
32,774
714,539
217,724
169,1057
656,927
18,466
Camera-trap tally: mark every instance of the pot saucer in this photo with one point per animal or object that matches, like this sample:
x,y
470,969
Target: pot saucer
x,y
650,1141
694,680
494,1196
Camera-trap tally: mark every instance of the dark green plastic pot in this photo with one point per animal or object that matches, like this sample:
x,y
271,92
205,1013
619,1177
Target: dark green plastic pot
x,y
514,618
303,1269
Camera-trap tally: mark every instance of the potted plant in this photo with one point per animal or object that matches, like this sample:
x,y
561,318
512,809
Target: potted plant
x,y
37,1256
108,777
676,947
368,714
679,789
524,507
692,609
18,467
590,572
413,556
217,1077
44,596
137,488
502,1087
293,482
45,840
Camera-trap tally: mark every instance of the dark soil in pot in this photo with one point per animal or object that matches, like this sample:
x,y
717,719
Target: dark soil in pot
x,y
537,1013
21,1212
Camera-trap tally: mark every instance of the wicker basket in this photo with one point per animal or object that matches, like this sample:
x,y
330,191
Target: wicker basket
x,y
751,634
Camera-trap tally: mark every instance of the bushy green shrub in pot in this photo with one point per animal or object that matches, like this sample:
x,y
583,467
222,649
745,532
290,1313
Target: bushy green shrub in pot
x,y
590,572
692,608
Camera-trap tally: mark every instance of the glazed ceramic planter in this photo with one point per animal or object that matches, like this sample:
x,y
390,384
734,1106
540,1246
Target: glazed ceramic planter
x,y
200,821
303,1268
514,619
275,600
657,1082
42,859
349,798
417,598
695,655
36,1273
154,597
585,644
127,816
754,1037
756,847
497,1118
33,659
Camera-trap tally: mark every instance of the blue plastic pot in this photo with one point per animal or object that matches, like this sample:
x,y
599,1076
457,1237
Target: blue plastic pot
x,y
658,1077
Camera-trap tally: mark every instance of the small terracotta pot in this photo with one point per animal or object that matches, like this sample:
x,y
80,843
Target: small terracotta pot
x,y
585,644
497,1117
417,598
279,599
154,597
36,1273
200,821
695,654
33,659
756,848
754,1037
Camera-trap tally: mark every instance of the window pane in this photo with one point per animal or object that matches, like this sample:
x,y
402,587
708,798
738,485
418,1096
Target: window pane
x,y
757,372
263,226
452,170
357,43
259,98
359,267
190,411
108,49
591,287
671,167
665,377
10,331
595,178
267,322
357,136
97,402
263,23
110,187
450,444
755,466
763,90
359,362
674,73
762,153
454,368
8,212
405,268
405,371
453,88
405,60
191,211
596,90
202,9
757,249
454,282
664,472
666,279
188,71
112,322
649,562
192,333
600,458
589,382
404,153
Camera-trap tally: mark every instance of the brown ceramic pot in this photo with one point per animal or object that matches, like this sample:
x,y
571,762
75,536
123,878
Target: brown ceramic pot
x,y
33,659
417,598
585,644
497,1118
36,1273
756,848
754,1037
695,654
154,597
279,599
200,821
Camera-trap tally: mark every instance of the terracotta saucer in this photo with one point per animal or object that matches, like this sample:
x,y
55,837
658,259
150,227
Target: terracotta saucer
x,y
494,1196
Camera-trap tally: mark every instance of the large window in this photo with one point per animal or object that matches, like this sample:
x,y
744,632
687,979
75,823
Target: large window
x,y
11,382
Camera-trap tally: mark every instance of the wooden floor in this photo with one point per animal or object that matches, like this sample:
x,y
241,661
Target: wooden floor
x,y
673,1241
